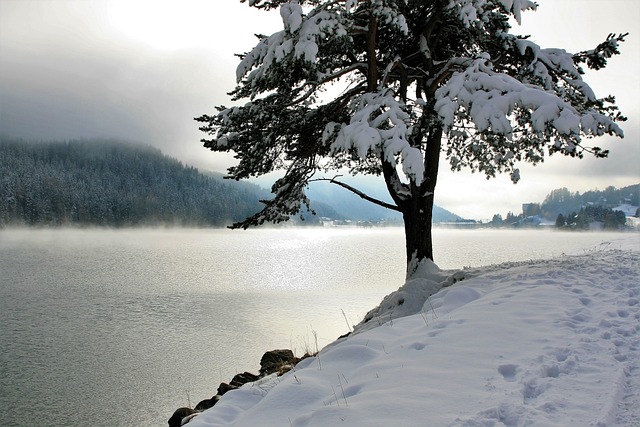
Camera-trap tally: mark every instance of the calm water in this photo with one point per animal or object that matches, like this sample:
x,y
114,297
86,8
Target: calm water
x,y
119,328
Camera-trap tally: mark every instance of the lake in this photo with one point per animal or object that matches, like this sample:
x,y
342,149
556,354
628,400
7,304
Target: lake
x,y
120,328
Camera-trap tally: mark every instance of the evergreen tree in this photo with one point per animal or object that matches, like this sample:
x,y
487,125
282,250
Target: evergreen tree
x,y
512,218
414,78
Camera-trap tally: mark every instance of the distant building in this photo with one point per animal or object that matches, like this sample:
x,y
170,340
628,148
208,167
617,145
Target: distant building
x,y
530,209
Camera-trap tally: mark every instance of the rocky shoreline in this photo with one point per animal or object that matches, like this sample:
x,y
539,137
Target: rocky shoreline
x,y
274,361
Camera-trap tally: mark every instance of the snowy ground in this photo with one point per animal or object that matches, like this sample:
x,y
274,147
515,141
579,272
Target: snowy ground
x,y
542,343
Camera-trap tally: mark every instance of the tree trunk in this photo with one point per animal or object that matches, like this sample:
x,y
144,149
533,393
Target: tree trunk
x,y
417,229
418,209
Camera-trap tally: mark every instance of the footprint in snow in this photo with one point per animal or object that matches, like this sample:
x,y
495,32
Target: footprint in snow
x,y
508,372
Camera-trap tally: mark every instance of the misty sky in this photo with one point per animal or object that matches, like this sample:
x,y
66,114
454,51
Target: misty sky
x,y
141,70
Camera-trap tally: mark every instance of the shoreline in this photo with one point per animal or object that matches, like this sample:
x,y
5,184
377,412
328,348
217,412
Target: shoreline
x,y
480,284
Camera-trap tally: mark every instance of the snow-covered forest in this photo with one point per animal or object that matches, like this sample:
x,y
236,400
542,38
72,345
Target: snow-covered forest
x,y
110,183
563,201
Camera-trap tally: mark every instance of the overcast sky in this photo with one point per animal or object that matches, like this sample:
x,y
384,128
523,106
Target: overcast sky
x,y
141,70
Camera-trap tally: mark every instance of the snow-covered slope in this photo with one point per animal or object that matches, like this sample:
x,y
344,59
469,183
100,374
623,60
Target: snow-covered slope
x,y
629,210
541,343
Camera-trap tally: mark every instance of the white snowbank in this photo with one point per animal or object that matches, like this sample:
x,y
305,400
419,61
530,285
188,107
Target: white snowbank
x,y
544,343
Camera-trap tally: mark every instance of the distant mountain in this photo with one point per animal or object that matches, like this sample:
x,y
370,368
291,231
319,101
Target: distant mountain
x,y
351,206
110,183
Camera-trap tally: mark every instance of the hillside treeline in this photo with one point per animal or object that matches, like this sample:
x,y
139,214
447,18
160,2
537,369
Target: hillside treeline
x,y
109,183
577,211
562,201
582,220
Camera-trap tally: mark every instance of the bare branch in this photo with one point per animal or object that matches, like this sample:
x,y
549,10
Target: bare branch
x,y
359,193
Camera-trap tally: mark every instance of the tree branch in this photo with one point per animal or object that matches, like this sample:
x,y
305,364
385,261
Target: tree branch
x,y
443,73
359,193
398,191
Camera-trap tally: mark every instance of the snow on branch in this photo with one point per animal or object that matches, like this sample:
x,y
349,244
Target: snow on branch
x,y
549,65
489,99
289,198
379,124
387,12
473,12
291,14
516,7
299,40
268,50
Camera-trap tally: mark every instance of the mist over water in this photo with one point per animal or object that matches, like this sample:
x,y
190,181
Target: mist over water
x,y
107,328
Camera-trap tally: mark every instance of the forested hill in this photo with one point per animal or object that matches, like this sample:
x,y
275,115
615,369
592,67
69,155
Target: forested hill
x,y
563,201
113,184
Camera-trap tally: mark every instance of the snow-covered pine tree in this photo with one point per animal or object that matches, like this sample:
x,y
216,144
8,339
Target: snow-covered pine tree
x,y
383,87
